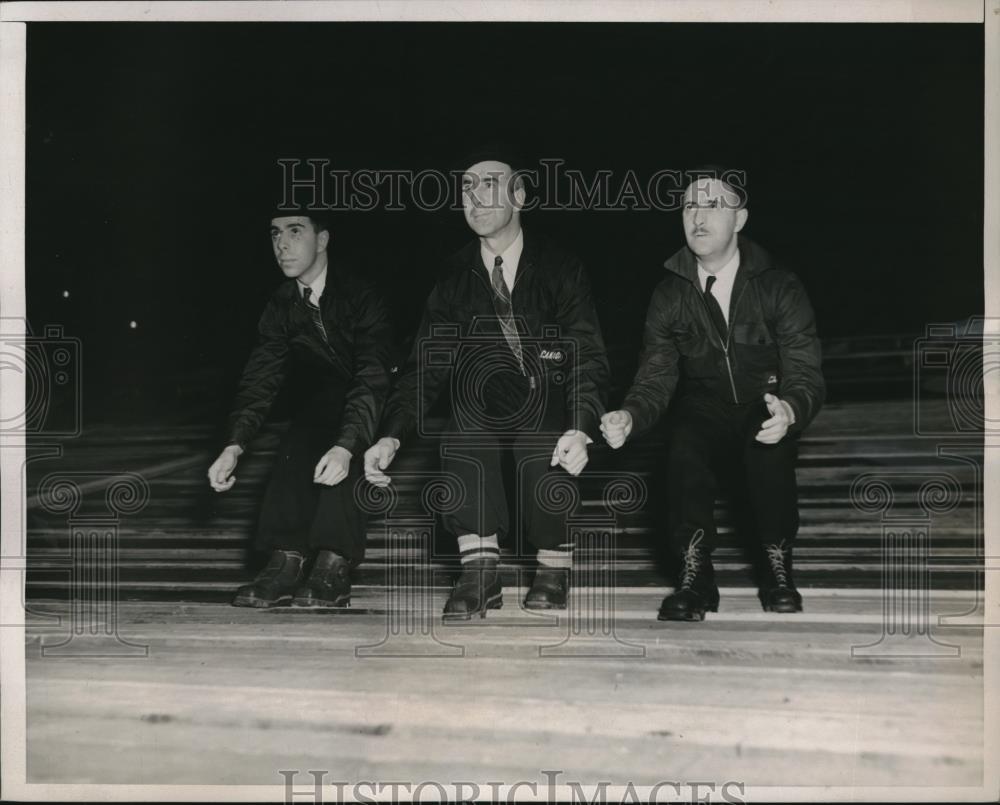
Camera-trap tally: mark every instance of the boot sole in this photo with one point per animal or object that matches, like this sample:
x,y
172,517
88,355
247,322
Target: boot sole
x,y
543,605
343,602
694,616
260,603
496,602
688,617
785,609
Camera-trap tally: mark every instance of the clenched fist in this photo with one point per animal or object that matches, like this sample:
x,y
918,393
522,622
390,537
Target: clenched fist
x,y
616,427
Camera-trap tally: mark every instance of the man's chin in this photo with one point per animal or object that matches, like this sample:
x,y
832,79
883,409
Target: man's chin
x,y
481,228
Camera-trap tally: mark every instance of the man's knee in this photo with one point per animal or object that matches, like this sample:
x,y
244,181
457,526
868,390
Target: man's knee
x,y
686,447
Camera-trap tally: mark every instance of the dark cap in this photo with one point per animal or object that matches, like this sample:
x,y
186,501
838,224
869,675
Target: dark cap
x,y
494,150
318,215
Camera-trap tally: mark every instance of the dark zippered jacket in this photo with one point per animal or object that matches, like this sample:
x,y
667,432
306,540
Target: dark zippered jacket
x,y
356,359
772,344
561,336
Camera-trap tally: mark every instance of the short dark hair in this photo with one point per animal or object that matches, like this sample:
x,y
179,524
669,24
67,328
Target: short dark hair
x,y
736,178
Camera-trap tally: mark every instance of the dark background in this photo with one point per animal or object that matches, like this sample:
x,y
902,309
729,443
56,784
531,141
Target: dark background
x,y
152,148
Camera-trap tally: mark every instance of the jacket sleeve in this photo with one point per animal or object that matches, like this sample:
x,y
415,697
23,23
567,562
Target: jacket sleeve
x,y
262,377
659,369
590,373
802,385
370,383
420,383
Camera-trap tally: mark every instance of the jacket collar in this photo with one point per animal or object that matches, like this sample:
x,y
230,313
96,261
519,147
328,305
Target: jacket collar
x,y
753,260
290,290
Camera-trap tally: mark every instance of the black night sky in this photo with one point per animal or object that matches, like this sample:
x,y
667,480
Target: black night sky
x,y
152,148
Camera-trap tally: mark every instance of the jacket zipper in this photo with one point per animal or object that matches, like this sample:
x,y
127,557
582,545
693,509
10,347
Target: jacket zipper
x,y
725,344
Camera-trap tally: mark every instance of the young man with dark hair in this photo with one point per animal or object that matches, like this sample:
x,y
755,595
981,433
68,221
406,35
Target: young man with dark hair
x,y
731,354
329,328
514,319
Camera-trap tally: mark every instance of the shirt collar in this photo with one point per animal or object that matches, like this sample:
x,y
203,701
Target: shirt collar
x,y
725,275
317,286
511,255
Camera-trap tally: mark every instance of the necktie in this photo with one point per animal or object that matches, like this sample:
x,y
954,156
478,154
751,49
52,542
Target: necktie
x,y
716,309
314,312
505,314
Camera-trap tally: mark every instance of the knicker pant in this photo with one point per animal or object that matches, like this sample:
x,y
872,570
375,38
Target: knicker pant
x,y
484,508
706,436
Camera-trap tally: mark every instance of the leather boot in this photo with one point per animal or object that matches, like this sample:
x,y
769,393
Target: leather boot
x,y
548,589
328,585
698,592
780,594
275,583
476,590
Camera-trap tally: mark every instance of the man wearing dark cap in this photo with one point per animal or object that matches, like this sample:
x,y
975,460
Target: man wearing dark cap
x,y
329,330
512,325
731,353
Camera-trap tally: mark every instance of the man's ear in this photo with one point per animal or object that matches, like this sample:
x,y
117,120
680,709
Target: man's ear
x,y
519,194
741,218
323,240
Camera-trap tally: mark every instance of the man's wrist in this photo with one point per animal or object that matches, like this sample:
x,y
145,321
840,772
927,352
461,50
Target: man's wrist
x,y
235,449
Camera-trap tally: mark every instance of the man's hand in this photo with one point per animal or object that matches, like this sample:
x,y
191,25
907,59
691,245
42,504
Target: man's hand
x,y
333,467
220,474
773,430
616,427
571,452
377,458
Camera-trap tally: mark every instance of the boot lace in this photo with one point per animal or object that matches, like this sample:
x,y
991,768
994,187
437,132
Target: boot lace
x,y
776,555
692,559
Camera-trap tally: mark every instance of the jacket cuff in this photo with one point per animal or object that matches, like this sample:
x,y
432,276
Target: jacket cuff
x,y
639,423
350,442
394,429
798,408
586,423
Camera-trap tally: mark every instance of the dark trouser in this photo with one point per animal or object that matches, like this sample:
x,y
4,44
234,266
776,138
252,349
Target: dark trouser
x,y
476,456
300,515
707,435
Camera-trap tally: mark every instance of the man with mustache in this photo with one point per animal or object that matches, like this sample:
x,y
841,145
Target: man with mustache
x,y
514,326
328,329
731,354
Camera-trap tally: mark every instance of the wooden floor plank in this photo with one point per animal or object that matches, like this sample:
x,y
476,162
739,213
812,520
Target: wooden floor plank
x,y
232,695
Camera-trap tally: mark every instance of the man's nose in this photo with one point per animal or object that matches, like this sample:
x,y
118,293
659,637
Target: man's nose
x,y
699,216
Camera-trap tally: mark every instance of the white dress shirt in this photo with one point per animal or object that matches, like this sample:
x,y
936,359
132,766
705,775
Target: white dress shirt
x,y
316,286
722,290
511,258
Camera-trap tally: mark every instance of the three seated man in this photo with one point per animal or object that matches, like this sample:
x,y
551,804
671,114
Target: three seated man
x,y
730,356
